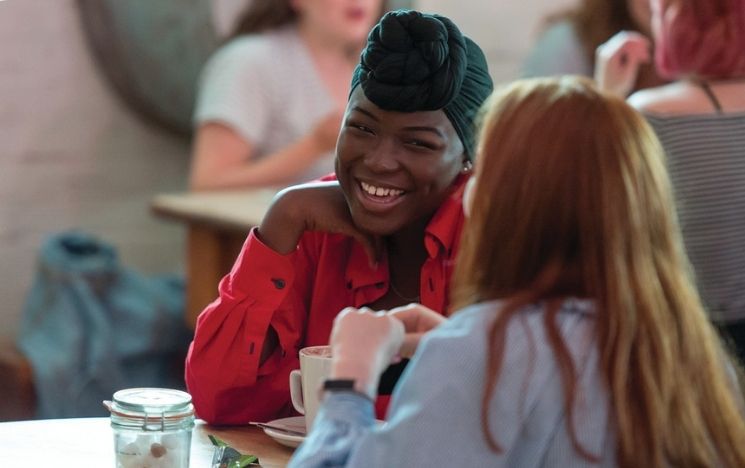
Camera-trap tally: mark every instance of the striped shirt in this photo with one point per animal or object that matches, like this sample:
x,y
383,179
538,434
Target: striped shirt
x,y
266,88
706,161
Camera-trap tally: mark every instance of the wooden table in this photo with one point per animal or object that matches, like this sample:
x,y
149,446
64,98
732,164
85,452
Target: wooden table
x,y
217,224
89,442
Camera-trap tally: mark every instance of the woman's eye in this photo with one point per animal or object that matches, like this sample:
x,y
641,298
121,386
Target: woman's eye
x,y
420,144
361,128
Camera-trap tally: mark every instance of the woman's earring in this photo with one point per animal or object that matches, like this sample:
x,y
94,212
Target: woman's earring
x,y
467,166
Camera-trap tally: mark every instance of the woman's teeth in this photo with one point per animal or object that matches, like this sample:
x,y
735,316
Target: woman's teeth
x,y
380,191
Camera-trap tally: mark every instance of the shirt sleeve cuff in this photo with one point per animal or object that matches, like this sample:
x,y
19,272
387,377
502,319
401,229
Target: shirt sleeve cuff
x,y
343,419
348,407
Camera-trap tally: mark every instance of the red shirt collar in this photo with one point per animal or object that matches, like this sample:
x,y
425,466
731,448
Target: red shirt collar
x,y
440,236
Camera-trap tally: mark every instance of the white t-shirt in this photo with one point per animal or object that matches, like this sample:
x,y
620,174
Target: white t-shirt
x,y
268,90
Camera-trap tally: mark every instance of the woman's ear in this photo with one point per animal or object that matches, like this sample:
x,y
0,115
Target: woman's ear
x,y
468,196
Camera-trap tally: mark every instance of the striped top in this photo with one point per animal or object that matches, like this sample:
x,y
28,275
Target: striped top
x,y
266,88
706,161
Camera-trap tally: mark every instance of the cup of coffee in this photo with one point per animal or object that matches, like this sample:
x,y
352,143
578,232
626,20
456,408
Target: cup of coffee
x,y
315,367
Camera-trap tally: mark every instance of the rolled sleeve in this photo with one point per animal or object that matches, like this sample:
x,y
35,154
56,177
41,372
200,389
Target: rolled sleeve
x,y
344,417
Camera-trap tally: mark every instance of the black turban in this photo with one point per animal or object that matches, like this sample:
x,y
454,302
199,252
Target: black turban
x,y
420,62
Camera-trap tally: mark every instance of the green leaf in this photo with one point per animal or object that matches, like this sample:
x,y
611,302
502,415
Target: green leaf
x,y
216,442
231,456
246,460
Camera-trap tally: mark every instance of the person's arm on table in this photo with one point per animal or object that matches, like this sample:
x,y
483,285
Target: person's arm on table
x,y
435,418
236,370
235,367
222,159
344,432
235,109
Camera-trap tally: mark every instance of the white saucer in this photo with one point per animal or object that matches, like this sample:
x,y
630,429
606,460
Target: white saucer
x,y
296,423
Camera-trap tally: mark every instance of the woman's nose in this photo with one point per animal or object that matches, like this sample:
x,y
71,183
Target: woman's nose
x,y
383,157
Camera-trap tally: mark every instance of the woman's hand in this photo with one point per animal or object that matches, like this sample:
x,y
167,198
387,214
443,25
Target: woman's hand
x,y
617,61
363,345
417,320
319,206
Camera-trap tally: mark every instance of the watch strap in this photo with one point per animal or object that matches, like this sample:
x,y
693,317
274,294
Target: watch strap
x,y
339,385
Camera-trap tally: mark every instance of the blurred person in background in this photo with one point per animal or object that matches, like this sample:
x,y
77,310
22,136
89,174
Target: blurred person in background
x,y
579,338
700,119
271,99
569,39
384,234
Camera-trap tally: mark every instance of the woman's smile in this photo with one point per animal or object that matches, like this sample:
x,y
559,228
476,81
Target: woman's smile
x,y
377,197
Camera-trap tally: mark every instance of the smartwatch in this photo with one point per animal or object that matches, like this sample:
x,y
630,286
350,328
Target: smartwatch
x,y
343,385
339,385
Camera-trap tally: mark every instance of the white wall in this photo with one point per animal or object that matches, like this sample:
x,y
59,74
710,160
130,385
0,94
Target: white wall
x,y
71,156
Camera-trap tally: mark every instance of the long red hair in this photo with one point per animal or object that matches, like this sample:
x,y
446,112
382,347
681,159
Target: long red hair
x,y
572,198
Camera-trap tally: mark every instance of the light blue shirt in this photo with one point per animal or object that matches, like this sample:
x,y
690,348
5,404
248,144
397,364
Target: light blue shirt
x,y
435,416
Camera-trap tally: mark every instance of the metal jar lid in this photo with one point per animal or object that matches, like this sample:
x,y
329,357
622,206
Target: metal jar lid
x,y
151,408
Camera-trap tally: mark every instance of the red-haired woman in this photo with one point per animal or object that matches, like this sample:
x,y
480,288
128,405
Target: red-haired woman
x,y
700,119
580,340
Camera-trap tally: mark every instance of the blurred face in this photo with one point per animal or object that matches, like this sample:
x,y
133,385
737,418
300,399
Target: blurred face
x,y
395,168
347,21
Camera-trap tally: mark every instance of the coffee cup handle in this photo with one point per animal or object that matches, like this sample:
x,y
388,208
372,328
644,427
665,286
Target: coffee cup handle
x,y
296,391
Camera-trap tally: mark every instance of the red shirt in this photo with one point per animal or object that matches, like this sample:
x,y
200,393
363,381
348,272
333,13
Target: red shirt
x,y
298,294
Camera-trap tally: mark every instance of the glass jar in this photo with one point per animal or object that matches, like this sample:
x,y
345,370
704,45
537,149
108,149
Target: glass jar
x,y
152,427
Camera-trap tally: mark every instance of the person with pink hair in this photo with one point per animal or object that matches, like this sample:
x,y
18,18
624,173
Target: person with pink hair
x,y
700,120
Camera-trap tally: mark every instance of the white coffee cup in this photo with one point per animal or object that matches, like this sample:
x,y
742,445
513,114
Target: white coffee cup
x,y
305,383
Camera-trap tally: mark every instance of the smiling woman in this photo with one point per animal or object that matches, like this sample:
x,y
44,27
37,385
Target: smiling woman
x,y
396,167
384,234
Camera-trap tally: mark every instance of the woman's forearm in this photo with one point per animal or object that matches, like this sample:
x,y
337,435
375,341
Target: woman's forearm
x,y
223,161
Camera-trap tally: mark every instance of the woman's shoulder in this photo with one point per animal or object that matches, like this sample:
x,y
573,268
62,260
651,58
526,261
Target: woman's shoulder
x,y
670,99
247,47
476,318
251,48
684,98
484,311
